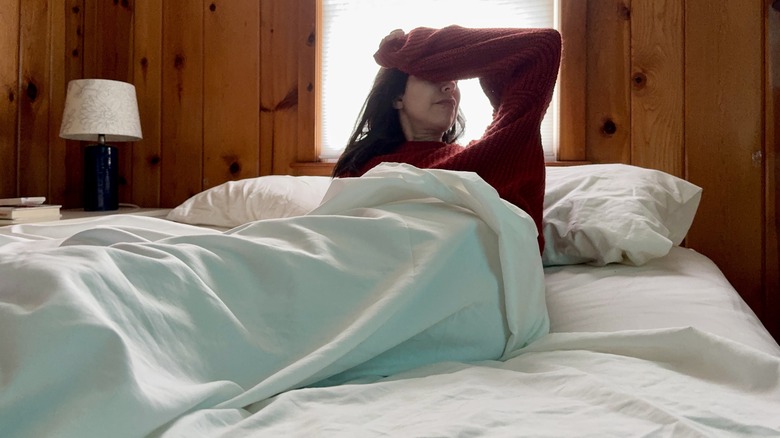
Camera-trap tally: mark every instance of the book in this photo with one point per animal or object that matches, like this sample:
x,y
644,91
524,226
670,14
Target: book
x,y
32,200
28,213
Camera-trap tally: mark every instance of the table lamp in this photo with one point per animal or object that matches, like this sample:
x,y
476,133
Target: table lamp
x,y
104,111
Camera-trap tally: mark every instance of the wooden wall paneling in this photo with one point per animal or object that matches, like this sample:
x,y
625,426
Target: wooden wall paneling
x,y
34,105
9,96
147,78
108,39
772,166
572,80
279,85
657,85
73,69
723,131
608,95
307,147
58,83
182,101
266,147
231,92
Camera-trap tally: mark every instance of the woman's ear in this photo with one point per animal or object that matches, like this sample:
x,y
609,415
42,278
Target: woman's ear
x,y
398,103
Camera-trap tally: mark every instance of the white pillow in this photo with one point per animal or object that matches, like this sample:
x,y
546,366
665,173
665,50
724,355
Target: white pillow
x,y
614,213
237,202
597,214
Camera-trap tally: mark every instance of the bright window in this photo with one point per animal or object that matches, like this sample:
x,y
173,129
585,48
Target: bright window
x,y
352,30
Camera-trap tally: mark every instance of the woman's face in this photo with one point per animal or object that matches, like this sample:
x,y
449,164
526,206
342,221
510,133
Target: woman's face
x,y
427,109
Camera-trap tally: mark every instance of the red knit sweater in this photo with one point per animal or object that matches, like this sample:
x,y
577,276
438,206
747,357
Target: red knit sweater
x,y
517,69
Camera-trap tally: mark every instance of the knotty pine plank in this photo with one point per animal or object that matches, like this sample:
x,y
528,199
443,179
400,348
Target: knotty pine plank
x,y
182,102
657,85
231,114
147,77
34,105
723,130
572,80
279,89
9,96
307,146
608,130
58,83
73,69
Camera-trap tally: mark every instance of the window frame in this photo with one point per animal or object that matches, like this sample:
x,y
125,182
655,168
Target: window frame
x,y
571,94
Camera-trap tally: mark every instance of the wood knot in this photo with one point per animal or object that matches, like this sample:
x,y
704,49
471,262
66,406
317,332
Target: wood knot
x,y
608,127
11,96
32,91
234,168
75,9
310,40
212,7
154,160
639,80
178,61
75,53
144,62
624,11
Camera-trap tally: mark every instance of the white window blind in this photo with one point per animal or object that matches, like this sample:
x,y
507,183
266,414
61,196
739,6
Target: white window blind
x,y
352,30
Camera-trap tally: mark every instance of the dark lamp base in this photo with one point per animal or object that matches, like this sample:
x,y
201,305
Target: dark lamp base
x,y
101,177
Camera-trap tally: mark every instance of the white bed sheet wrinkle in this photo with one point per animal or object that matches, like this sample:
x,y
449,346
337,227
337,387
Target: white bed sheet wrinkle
x,y
196,322
666,382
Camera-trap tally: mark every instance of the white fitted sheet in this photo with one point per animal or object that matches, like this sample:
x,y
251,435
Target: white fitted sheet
x,y
682,289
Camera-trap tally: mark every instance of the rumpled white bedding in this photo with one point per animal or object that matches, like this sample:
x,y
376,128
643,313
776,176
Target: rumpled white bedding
x,y
144,327
664,349
148,327
652,383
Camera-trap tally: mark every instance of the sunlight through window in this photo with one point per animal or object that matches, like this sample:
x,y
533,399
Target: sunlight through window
x,y
352,30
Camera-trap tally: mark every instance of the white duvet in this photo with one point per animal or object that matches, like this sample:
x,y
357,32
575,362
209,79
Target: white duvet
x,y
141,326
649,383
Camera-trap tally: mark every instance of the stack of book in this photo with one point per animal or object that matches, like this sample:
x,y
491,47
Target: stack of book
x,y
20,210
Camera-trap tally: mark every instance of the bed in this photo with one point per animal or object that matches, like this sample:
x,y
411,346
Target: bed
x,y
407,302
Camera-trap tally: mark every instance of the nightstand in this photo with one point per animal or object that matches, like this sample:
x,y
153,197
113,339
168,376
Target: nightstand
x,y
78,213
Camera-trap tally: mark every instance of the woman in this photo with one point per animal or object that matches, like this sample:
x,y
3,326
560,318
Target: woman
x,y
411,114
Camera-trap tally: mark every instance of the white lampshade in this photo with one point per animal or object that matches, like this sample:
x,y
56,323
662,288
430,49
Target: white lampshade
x,y
100,107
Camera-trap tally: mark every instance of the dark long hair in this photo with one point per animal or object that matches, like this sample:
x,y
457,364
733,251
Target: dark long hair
x,y
378,128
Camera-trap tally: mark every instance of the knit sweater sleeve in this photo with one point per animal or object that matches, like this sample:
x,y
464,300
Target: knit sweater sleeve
x,y
517,69
527,59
